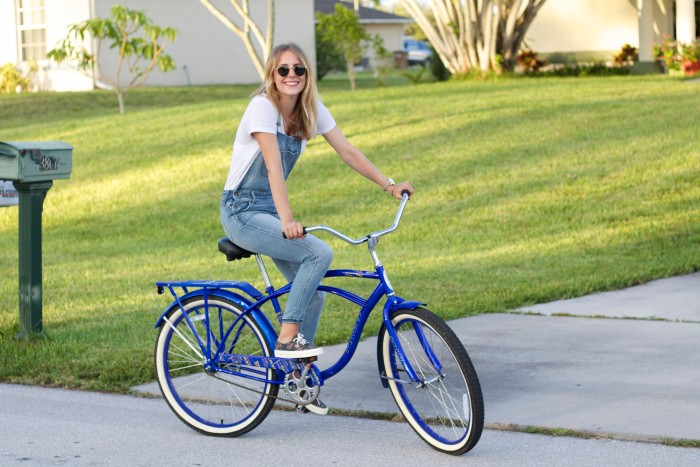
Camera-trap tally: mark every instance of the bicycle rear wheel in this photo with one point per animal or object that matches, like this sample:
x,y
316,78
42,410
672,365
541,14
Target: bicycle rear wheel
x,y
446,410
201,391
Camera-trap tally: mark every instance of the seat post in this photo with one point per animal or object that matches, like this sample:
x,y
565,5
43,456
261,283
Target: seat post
x,y
263,272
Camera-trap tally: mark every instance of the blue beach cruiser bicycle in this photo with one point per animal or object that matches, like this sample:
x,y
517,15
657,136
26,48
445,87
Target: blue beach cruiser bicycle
x,y
216,368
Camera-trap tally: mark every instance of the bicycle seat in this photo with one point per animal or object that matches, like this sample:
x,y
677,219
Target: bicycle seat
x,y
233,251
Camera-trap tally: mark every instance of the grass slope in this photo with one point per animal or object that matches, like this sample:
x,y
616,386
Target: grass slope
x,y
527,190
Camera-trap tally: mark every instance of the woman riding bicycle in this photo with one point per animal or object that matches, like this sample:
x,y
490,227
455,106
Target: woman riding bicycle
x,y
283,114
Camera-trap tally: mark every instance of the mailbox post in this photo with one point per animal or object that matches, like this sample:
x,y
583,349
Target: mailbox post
x,y
32,167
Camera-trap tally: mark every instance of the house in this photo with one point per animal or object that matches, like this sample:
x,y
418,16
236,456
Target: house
x,y
596,29
388,26
205,51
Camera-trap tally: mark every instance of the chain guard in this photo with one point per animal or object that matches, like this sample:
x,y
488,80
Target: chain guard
x,y
301,392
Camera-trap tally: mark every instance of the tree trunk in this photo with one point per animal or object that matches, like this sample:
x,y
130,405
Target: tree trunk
x,y
468,34
120,99
513,29
351,73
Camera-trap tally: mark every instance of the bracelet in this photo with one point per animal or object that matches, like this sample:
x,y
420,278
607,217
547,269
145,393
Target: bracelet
x,y
389,182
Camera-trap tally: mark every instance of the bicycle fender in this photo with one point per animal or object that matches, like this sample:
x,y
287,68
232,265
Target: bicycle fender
x,y
389,308
408,304
257,314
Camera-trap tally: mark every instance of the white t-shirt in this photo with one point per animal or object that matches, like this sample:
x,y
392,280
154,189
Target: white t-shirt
x,y
262,117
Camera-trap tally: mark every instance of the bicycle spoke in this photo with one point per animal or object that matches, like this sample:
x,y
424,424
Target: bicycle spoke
x,y
233,391
190,382
190,344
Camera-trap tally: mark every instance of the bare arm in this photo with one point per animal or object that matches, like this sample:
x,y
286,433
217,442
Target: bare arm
x,y
354,158
273,160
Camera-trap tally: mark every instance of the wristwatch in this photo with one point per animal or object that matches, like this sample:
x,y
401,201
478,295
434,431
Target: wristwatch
x,y
389,182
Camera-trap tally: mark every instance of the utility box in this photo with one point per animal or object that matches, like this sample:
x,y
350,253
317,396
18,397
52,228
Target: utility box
x,y
40,161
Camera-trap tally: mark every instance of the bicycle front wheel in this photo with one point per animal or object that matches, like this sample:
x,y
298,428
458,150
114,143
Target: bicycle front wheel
x,y
213,397
445,408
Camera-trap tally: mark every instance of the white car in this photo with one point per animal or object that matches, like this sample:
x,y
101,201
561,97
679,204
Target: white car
x,y
419,52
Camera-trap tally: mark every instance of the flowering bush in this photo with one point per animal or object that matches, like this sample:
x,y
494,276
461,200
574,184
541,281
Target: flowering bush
x,y
678,56
690,67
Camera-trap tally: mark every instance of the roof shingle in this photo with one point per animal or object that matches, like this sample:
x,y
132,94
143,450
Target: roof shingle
x,y
367,15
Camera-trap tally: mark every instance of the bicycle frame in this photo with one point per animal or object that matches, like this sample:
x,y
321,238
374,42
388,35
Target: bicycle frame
x,y
252,306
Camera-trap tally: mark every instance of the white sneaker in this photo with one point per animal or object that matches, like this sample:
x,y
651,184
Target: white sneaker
x,y
297,348
317,407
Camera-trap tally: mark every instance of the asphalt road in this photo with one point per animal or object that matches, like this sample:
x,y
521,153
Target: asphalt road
x,y
42,427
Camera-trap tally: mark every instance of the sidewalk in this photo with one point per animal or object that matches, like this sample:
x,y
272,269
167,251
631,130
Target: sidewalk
x,y
632,379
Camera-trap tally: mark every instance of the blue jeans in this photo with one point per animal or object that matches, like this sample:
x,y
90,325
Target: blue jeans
x,y
250,220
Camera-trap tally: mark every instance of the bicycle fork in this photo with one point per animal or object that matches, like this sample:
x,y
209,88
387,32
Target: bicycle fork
x,y
414,378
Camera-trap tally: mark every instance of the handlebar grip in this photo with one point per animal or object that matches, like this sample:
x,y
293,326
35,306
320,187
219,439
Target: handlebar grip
x,y
284,235
405,192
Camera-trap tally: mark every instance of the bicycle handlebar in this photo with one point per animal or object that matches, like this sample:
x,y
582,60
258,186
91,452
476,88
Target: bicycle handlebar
x,y
404,199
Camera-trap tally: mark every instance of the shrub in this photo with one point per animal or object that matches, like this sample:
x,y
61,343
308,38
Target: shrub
x,y
529,62
438,69
601,69
594,69
626,56
417,76
12,80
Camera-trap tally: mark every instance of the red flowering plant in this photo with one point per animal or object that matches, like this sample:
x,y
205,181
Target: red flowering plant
x,y
691,58
679,56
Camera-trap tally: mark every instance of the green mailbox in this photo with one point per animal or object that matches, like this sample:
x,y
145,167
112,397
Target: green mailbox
x,y
32,167
35,161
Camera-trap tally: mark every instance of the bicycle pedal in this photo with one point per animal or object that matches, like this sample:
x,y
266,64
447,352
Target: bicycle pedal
x,y
302,409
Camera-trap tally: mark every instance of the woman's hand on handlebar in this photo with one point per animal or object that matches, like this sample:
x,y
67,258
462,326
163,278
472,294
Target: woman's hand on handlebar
x,y
293,230
397,190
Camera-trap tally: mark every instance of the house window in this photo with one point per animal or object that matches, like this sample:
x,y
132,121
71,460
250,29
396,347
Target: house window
x,y
31,26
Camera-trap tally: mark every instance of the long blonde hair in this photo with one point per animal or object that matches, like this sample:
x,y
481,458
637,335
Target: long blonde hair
x,y
302,121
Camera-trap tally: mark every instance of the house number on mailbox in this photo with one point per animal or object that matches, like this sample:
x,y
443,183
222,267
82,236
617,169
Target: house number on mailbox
x,y
48,163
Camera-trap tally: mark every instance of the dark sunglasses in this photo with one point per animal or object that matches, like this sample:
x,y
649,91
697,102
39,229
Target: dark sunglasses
x,y
299,70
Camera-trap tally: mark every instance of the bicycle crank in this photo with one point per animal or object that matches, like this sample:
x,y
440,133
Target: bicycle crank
x,y
299,386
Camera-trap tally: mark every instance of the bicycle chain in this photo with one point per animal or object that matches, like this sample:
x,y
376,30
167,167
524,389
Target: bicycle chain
x,y
216,376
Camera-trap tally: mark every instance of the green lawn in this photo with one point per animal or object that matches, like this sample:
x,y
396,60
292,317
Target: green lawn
x,y
527,190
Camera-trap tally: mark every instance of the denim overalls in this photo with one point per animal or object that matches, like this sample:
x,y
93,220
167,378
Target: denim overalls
x,y
250,220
